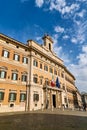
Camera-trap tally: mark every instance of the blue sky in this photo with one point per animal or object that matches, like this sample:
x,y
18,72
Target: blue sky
x,y
64,20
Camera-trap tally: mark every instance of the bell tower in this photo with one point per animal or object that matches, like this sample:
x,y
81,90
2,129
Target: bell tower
x,y
48,42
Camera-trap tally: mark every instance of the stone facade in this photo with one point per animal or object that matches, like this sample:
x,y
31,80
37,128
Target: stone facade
x,y
26,72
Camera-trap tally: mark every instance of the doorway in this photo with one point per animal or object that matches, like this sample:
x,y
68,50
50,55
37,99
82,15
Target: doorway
x,y
54,100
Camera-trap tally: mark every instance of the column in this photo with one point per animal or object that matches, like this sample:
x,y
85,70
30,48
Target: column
x,y
56,99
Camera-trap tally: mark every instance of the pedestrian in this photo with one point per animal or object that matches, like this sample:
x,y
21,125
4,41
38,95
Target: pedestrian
x,y
84,106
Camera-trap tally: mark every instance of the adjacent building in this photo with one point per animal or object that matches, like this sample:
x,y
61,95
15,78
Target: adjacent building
x,y
33,77
84,98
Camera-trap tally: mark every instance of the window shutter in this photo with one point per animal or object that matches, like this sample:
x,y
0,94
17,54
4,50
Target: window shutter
x,y
8,54
22,78
12,76
18,58
9,96
5,75
2,52
15,96
2,96
14,57
34,97
27,60
25,78
22,59
16,76
24,96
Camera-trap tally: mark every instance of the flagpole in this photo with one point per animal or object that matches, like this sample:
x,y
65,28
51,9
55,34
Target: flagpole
x,y
46,95
66,89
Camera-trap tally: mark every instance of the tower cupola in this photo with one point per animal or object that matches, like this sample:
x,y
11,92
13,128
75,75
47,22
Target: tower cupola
x,y
48,42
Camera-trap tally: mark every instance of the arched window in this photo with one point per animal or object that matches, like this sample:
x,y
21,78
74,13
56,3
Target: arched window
x,y
3,72
35,78
14,75
49,46
35,63
24,76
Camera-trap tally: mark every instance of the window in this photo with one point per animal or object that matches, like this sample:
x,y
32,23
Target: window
x,y
58,72
40,66
35,97
35,79
51,70
22,97
1,96
62,75
65,100
41,81
5,54
45,67
16,57
49,46
24,78
46,82
25,60
17,46
14,76
11,105
3,74
35,63
63,87
55,72
12,96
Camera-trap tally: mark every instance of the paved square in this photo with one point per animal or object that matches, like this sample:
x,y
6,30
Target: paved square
x,y
44,120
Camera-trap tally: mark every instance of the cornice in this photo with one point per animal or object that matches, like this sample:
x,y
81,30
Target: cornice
x,y
2,36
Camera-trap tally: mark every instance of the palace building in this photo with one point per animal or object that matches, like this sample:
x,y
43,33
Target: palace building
x,y
33,77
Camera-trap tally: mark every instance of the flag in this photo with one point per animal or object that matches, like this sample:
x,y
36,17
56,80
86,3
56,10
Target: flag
x,y
52,82
57,83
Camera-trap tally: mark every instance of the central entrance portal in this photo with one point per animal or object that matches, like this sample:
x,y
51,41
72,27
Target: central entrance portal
x,y
54,100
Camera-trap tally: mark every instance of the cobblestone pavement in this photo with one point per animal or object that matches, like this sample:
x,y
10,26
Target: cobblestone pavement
x,y
51,111
64,112
44,120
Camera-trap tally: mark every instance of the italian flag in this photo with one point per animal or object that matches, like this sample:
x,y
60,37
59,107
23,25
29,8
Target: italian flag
x,y
53,82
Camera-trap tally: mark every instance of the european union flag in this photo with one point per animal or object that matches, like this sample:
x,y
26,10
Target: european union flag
x,y
57,83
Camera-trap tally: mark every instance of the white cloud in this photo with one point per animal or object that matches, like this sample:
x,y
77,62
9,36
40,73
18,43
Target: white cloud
x,y
59,50
80,69
58,29
83,56
39,39
39,3
74,40
79,16
65,37
60,53
62,6
57,4
82,13
70,9
55,39
79,33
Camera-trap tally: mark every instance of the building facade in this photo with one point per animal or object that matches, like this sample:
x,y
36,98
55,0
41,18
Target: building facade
x,y
84,98
33,77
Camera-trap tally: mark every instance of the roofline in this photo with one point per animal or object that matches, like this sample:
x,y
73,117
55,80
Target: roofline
x,y
22,44
52,59
69,72
44,48
12,40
